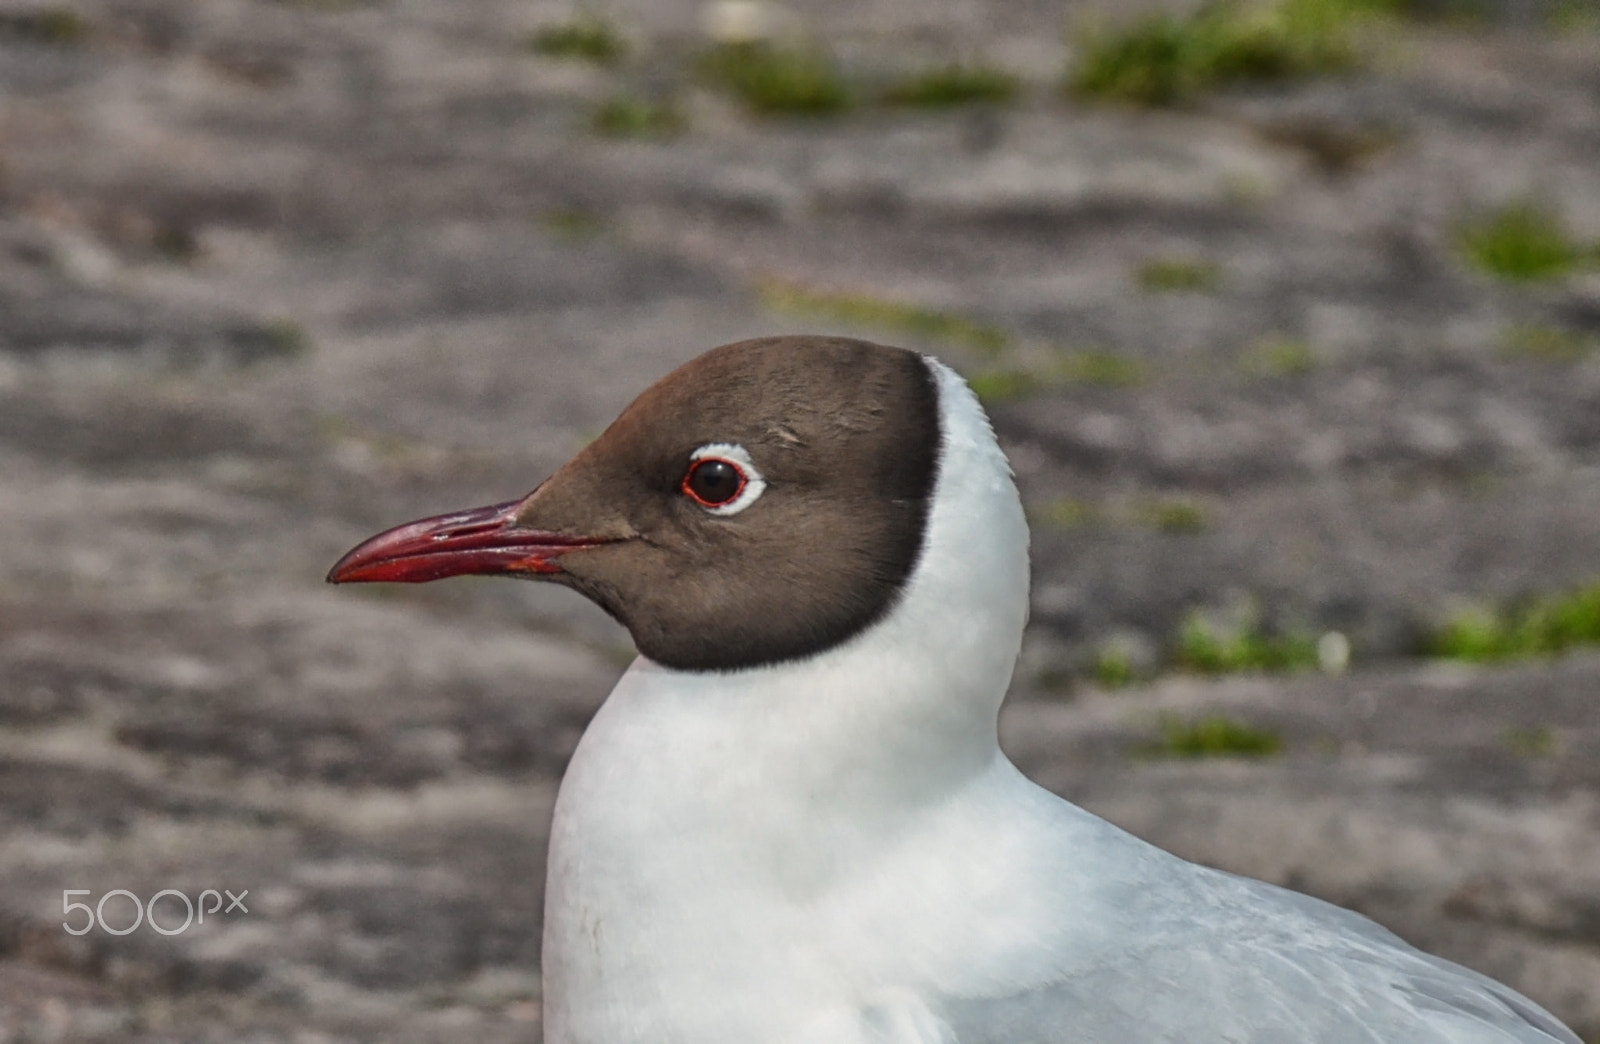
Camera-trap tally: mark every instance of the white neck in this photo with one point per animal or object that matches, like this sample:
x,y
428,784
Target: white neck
x,y
903,707
779,780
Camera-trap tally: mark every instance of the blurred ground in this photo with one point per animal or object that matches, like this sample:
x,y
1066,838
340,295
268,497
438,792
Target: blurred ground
x,y
275,275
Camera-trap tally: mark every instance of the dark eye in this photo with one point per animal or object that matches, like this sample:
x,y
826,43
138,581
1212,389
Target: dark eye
x,y
713,481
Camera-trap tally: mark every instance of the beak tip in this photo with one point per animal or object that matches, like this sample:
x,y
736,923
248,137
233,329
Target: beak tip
x,y
483,541
340,573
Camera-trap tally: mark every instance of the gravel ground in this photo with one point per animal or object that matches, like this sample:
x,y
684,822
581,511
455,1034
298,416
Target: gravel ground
x,y
275,275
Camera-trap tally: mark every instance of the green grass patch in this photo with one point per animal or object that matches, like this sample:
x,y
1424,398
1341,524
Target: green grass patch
x,y
587,39
1277,357
778,80
1123,659
1212,736
864,310
1477,636
1521,242
1544,626
1106,369
1002,380
1066,513
1177,516
573,223
1548,344
1169,59
628,116
1575,17
1538,742
1179,275
1004,383
61,26
995,386
1114,668
954,84
1208,649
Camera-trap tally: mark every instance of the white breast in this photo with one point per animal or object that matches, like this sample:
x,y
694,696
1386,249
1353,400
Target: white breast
x,y
726,836
834,851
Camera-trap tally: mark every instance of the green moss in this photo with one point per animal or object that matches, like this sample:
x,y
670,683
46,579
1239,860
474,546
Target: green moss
x,y
1277,357
1212,736
1065,513
1103,368
1521,242
1575,17
864,310
1548,343
1150,63
995,386
954,84
589,39
1476,635
1554,625
1002,383
774,80
627,116
1207,649
1177,274
61,26
573,223
1544,626
1003,379
1167,59
1540,742
1181,517
1114,669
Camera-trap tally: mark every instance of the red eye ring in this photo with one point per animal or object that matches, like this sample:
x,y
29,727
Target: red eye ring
x,y
709,471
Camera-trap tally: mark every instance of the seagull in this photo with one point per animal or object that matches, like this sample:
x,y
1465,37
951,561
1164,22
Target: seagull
x,y
792,822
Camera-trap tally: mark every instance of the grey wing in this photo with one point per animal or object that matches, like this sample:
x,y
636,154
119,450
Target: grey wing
x,y
1454,994
1207,1003
1298,971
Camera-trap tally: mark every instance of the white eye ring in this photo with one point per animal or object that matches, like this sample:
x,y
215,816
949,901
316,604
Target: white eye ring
x,y
754,482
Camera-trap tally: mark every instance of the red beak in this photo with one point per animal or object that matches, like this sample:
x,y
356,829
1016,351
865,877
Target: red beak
x,y
483,540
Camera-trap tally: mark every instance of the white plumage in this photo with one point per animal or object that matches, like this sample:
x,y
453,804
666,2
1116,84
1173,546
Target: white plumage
x,y
834,850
